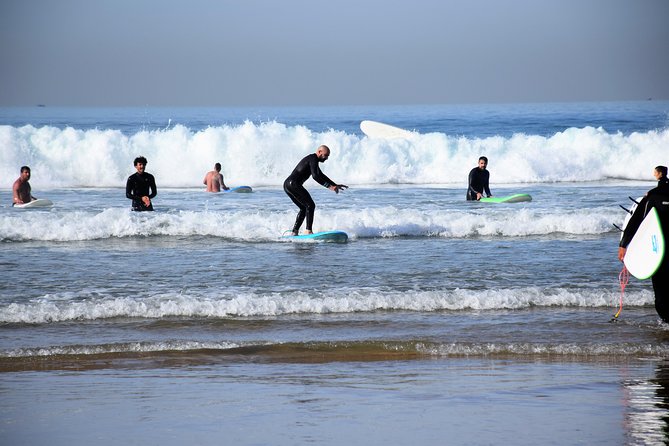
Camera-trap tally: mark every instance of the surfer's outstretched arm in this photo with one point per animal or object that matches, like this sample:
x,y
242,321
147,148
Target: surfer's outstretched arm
x,y
337,187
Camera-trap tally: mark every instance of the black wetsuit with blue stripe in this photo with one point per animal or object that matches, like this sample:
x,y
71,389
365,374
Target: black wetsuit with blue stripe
x,y
294,187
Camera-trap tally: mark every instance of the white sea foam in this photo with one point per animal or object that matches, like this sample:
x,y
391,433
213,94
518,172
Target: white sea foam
x,y
555,349
265,153
259,225
125,347
430,349
58,308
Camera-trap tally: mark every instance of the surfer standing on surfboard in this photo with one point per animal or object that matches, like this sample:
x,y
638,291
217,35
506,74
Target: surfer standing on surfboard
x,y
214,180
294,186
478,180
141,187
657,198
21,190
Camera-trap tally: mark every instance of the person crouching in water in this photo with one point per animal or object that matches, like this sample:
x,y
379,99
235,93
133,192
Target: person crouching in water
x,y
294,186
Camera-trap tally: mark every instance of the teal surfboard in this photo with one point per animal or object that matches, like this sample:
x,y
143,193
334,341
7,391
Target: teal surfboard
x,y
240,189
646,250
324,236
515,198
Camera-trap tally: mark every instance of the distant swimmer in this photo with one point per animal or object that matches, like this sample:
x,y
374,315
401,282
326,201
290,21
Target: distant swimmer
x,y
141,187
657,198
21,190
479,179
294,186
214,180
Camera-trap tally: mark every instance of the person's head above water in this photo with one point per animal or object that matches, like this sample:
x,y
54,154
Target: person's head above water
x,y
660,173
323,152
483,162
140,159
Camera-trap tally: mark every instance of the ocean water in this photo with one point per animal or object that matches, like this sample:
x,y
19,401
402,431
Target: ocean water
x,y
440,321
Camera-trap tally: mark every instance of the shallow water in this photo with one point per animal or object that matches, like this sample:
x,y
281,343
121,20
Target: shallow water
x,y
457,400
439,321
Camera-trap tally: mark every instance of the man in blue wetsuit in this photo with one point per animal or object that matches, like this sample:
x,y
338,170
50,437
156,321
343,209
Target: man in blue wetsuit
x,y
478,181
141,187
294,186
657,198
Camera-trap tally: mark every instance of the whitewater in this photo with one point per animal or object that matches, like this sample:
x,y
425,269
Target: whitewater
x,y
260,154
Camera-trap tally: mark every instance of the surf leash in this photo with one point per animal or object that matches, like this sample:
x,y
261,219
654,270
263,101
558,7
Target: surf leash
x,y
623,280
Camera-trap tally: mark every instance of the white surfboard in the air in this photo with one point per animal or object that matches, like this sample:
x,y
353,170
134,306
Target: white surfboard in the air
x,y
38,203
375,129
646,250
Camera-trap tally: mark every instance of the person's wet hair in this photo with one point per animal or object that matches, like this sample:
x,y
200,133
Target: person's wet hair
x,y
140,159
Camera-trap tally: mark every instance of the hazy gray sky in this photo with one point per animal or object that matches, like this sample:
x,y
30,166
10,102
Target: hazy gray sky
x,y
331,52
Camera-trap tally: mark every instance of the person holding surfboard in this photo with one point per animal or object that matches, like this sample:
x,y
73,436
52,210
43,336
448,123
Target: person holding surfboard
x,y
294,186
214,180
479,179
21,190
141,187
657,198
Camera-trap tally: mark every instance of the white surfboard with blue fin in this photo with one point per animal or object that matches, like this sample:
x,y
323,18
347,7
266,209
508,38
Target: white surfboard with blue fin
x,y
323,236
646,250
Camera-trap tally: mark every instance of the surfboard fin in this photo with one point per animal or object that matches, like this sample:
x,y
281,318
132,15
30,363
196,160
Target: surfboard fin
x,y
625,209
633,200
617,227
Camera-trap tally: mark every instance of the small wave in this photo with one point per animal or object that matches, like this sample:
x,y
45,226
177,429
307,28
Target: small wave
x,y
81,306
263,226
178,352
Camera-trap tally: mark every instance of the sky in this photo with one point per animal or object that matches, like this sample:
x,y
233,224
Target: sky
x,y
334,52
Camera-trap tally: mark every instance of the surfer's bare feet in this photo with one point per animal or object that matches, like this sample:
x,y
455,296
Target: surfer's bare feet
x,y
308,232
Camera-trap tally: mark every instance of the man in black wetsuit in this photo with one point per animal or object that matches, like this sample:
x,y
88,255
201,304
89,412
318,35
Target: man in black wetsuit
x,y
478,181
141,187
308,167
657,198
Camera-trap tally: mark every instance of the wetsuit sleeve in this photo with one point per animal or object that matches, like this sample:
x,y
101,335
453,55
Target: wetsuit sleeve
x,y
634,222
319,176
130,189
471,180
152,186
486,184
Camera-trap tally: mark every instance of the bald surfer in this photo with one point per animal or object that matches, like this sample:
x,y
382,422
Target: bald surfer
x,y
294,186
